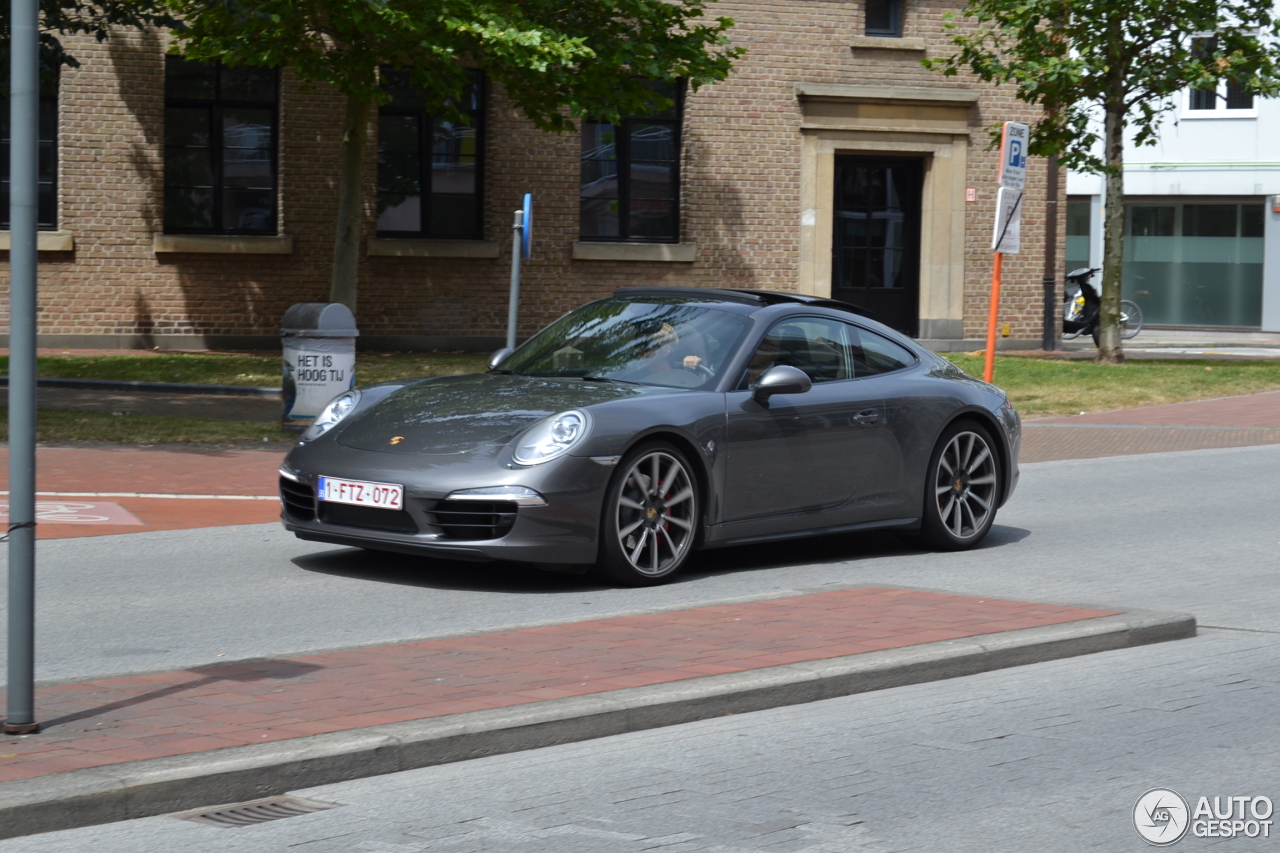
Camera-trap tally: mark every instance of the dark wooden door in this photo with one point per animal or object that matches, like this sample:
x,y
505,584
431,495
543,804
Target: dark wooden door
x,y
876,244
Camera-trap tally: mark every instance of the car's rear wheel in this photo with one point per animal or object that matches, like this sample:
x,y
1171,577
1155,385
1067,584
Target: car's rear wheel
x,y
651,516
962,488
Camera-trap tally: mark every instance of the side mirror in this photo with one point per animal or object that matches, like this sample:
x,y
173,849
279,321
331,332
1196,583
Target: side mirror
x,y
781,379
499,357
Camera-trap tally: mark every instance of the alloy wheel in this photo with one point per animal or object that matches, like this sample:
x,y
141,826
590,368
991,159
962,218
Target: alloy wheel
x,y
656,515
965,485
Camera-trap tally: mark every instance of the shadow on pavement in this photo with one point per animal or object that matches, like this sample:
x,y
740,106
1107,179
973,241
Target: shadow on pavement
x,y
274,670
407,570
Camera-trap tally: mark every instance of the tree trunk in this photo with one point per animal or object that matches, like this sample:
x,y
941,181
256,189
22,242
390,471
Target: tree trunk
x,y
1110,350
346,244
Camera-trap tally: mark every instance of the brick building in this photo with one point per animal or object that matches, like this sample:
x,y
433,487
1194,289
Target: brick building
x,y
187,211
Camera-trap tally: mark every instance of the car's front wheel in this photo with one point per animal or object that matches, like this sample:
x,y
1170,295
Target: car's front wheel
x,y
651,516
962,488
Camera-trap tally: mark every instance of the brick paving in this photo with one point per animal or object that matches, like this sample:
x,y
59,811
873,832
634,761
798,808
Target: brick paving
x,y
1046,443
1241,421
69,472
108,721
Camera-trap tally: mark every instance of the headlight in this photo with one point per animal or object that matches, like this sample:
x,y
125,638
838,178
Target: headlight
x,y
339,407
552,438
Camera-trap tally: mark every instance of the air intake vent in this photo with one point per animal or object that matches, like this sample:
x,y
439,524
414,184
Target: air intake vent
x,y
299,499
255,811
473,519
367,517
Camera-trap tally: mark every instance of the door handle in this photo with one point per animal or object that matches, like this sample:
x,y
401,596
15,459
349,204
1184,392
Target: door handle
x,y
867,417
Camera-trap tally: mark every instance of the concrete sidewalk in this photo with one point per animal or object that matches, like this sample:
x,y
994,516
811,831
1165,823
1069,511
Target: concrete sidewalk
x,y
1190,343
148,744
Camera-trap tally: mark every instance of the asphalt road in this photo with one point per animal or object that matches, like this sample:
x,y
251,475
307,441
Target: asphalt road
x,y
1050,756
1191,532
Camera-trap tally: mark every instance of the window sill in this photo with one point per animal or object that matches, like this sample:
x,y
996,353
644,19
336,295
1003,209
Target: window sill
x,y
222,244
1201,115
392,247
887,43
46,241
678,253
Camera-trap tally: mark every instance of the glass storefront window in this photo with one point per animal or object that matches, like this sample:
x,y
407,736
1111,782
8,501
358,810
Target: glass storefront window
x,y
1078,233
1195,264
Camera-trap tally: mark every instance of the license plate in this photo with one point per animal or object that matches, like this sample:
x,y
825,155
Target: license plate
x,y
360,493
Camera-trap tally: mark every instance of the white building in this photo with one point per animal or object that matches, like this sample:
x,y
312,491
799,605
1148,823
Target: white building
x,y
1202,224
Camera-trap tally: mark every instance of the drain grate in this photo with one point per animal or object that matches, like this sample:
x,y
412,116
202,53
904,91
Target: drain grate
x,y
255,811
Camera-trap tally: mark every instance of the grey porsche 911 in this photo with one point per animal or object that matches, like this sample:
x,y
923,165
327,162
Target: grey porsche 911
x,y
640,428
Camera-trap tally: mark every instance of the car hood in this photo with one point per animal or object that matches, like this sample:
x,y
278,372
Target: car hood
x,y
457,414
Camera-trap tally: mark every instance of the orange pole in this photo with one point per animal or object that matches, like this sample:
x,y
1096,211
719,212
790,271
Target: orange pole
x,y
992,319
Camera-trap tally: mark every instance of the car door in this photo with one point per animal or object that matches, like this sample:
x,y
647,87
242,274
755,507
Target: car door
x,y
796,453
889,490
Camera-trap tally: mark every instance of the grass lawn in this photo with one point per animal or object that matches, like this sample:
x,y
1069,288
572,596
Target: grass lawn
x,y
1043,386
57,426
1037,386
243,369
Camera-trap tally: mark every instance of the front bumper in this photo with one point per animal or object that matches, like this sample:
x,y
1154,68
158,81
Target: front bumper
x,y
563,531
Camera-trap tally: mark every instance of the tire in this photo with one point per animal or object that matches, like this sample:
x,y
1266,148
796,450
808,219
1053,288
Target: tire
x,y
651,518
1130,319
962,488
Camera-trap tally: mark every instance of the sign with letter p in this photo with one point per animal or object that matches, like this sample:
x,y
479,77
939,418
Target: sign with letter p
x,y
1014,142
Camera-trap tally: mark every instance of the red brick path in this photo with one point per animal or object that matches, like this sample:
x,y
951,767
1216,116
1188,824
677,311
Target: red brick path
x,y
146,469
1224,422
93,723
150,470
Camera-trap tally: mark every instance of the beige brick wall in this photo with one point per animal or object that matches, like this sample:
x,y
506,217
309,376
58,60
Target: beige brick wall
x,y
740,203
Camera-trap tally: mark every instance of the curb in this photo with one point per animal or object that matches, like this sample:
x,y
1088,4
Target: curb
x,y
157,786
161,387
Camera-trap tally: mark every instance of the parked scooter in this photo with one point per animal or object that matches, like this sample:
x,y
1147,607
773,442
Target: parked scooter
x,y
1083,307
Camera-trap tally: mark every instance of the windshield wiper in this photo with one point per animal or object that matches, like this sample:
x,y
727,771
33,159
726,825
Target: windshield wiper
x,y
609,379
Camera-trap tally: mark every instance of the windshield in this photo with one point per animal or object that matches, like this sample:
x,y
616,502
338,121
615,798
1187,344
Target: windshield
x,y
670,342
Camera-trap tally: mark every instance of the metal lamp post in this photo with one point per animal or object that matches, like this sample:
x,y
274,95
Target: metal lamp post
x,y
24,100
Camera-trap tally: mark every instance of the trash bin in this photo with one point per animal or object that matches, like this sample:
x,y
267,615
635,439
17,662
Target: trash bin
x,y
319,343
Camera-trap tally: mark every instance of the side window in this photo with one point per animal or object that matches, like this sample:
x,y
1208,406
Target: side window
x,y
47,180
429,168
220,149
817,346
884,18
630,176
874,354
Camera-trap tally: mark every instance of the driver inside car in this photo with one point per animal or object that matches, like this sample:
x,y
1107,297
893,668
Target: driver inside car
x,y
671,352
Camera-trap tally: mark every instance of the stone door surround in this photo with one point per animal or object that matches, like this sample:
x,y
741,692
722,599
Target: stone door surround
x,y
934,124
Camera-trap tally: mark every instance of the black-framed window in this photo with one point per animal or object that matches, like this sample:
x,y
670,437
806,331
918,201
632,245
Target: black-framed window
x,y
884,18
630,178
430,169
221,133
47,170
1232,96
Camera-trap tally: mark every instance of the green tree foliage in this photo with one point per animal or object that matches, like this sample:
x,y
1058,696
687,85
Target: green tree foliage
x,y
557,60
77,17
1104,69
